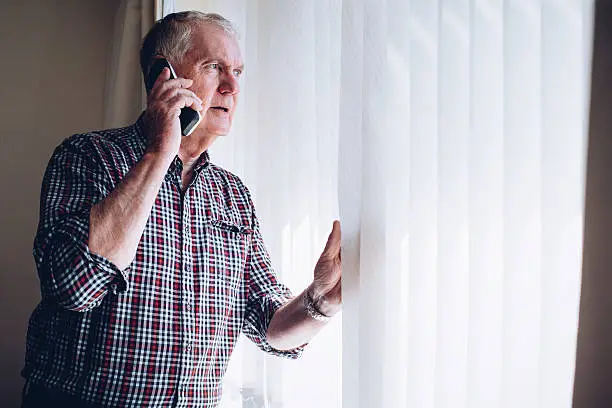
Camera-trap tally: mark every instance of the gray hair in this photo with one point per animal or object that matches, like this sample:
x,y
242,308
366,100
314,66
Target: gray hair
x,y
171,36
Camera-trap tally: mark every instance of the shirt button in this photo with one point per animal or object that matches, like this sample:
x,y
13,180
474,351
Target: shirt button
x,y
189,347
187,267
188,307
186,229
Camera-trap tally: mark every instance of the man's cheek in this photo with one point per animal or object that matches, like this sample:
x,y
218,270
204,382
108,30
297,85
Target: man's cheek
x,y
207,99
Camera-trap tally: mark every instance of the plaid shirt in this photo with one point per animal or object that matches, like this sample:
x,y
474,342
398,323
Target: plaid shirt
x,y
161,331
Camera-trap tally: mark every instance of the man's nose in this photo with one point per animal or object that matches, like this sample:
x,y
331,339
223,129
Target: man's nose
x,y
229,84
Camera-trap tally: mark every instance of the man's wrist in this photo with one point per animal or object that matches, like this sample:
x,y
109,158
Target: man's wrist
x,y
159,163
312,309
163,158
328,309
320,303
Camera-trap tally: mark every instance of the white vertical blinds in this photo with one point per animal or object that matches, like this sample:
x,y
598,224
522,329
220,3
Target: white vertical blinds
x,y
464,155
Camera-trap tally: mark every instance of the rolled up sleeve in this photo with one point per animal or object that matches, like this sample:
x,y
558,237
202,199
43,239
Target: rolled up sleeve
x,y
69,273
266,296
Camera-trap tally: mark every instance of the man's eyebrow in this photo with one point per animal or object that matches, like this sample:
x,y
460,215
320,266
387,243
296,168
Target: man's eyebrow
x,y
240,67
209,59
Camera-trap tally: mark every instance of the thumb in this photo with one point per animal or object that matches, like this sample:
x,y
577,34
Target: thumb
x,y
332,247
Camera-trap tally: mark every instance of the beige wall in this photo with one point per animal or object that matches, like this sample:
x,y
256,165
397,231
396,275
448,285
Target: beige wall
x,y
54,60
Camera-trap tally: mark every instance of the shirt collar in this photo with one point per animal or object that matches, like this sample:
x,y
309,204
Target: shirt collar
x,y
176,167
202,162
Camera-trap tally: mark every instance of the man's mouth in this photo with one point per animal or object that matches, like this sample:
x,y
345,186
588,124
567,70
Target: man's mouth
x,y
221,108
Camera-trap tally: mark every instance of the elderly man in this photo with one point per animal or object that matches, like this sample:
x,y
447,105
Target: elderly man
x,y
150,257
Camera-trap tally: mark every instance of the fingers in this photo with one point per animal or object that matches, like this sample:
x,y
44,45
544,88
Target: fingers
x,y
172,92
332,247
181,83
180,101
170,95
163,83
164,104
182,97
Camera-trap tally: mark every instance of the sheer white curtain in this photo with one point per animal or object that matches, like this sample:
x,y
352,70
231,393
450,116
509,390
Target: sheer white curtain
x,y
449,136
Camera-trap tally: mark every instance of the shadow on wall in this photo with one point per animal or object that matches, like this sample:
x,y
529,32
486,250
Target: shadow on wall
x,y
54,87
593,387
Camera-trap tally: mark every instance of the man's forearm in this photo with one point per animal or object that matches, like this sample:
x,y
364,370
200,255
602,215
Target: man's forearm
x,y
118,221
292,326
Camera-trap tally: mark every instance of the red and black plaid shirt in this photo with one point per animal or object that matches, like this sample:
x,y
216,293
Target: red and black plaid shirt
x,y
161,331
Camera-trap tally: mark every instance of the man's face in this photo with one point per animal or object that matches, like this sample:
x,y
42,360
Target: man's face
x,y
214,64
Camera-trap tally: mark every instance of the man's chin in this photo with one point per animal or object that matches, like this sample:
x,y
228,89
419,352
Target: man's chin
x,y
218,131
206,133
214,129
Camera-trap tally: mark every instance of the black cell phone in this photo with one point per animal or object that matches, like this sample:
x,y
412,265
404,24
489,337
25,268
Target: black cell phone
x,y
189,117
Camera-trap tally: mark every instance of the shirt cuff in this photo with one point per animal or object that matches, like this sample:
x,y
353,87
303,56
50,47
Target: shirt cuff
x,y
77,228
120,282
270,304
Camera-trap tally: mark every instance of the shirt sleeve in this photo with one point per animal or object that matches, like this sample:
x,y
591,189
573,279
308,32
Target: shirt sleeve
x,y
266,296
69,273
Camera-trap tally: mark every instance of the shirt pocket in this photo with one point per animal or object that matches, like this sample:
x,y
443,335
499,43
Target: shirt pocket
x,y
227,247
226,225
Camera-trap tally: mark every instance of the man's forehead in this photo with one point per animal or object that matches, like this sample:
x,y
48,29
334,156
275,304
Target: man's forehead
x,y
211,41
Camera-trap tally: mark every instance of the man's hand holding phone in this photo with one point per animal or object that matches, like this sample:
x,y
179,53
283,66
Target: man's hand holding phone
x,y
165,101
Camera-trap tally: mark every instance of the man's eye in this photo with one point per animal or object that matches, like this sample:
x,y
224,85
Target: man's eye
x,y
237,72
213,66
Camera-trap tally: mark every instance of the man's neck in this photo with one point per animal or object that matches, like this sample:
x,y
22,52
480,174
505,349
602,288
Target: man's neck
x,y
191,149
